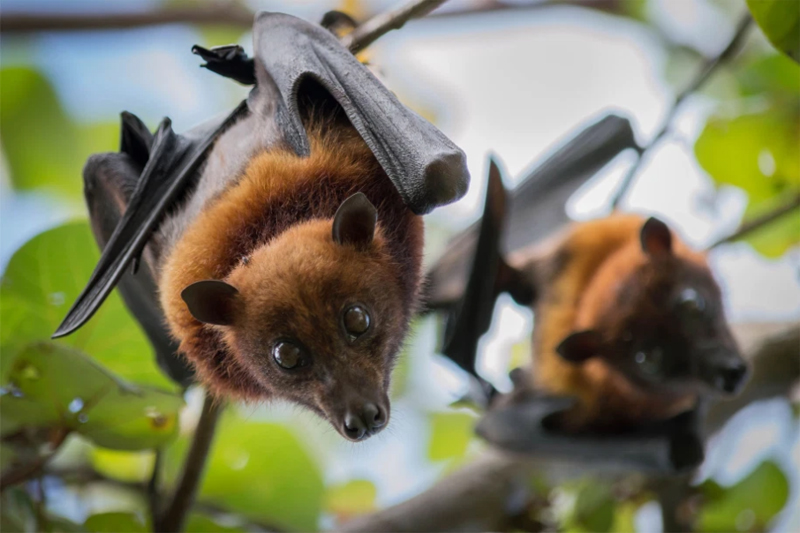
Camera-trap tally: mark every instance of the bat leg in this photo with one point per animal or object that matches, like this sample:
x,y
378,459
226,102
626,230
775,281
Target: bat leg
x,y
109,181
687,449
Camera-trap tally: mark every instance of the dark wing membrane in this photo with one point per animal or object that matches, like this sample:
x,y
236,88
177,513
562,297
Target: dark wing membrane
x,y
489,275
667,447
536,205
425,166
171,168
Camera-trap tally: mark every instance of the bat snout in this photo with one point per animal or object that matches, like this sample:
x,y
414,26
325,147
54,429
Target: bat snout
x,y
730,378
727,372
361,421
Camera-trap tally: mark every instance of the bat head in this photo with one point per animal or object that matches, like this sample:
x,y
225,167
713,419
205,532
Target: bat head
x,y
659,321
316,316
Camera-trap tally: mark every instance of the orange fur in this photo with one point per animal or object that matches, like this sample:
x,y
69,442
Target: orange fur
x,y
593,259
279,215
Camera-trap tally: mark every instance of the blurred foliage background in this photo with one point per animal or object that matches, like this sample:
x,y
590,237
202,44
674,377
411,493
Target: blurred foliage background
x,y
92,407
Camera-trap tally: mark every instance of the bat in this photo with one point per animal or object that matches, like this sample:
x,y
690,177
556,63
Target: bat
x,y
654,354
277,248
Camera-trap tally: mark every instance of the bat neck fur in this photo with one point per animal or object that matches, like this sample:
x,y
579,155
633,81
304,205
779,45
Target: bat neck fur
x,y
277,191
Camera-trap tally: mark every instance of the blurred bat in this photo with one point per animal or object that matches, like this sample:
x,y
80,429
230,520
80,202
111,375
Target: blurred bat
x,y
535,206
526,420
476,257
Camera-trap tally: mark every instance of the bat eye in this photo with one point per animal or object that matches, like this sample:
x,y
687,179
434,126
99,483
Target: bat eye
x,y
289,355
356,320
649,361
691,301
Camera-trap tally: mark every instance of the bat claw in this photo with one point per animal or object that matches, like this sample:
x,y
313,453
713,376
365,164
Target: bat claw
x,y
230,61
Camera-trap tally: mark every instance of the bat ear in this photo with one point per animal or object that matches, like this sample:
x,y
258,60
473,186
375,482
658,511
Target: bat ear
x,y
656,238
354,222
212,301
580,346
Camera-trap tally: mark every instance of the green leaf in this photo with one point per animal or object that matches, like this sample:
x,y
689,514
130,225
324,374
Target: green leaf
x,y
43,279
775,238
594,508
354,498
16,511
114,523
780,22
775,76
131,467
198,523
451,434
57,524
50,385
259,470
8,456
759,153
756,152
748,505
45,149
625,518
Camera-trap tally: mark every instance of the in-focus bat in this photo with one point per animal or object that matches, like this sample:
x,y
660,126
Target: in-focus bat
x,y
281,245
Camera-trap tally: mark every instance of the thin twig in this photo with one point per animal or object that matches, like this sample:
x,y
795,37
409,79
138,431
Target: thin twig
x,y
26,471
752,225
700,77
368,32
177,510
153,489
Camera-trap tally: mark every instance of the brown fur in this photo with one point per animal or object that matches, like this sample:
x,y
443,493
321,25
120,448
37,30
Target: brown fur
x,y
279,216
592,262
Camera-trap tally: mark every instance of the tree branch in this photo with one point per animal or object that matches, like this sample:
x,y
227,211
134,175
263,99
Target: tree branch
x,y
219,13
749,226
177,510
701,76
482,495
230,13
216,13
368,32
475,498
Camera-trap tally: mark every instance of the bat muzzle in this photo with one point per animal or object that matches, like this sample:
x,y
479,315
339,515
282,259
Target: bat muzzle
x,y
364,421
726,372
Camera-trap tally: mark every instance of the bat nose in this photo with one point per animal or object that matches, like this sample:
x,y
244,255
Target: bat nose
x,y
365,421
731,376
